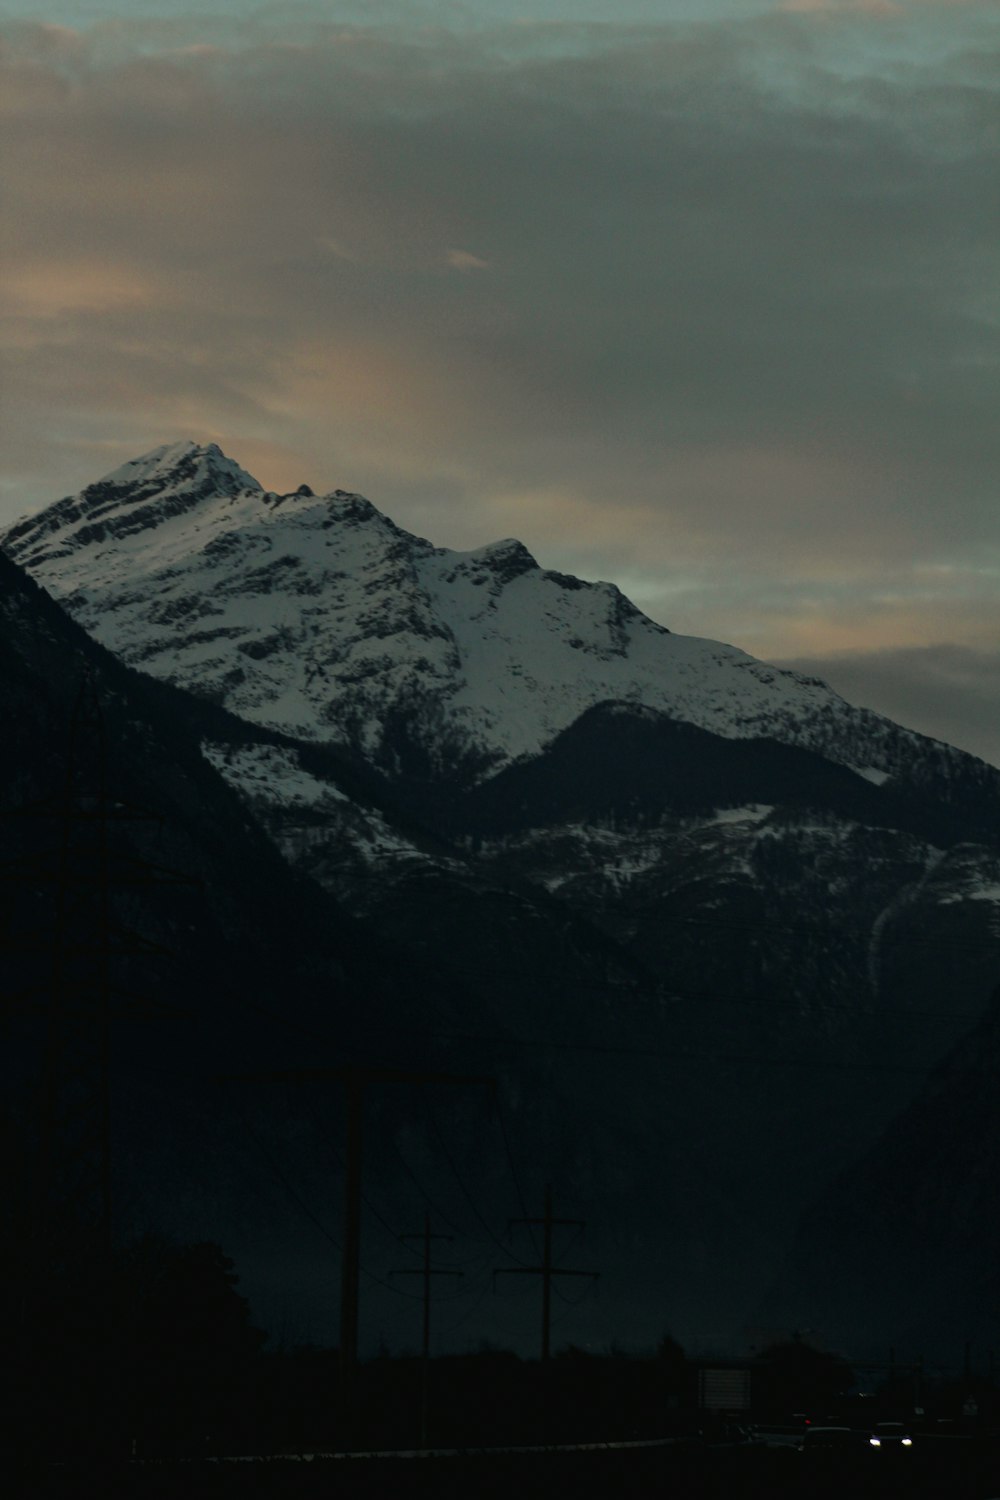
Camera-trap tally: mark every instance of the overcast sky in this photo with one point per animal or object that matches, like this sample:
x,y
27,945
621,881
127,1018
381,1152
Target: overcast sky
x,y
702,299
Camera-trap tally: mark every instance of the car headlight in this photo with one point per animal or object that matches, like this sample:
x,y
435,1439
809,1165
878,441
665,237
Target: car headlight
x,y
875,1442
907,1442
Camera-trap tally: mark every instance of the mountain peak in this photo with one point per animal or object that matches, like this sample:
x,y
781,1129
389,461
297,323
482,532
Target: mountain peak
x,y
133,499
507,558
318,616
185,460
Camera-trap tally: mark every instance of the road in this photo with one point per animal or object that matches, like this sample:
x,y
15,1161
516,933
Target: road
x,y
942,1468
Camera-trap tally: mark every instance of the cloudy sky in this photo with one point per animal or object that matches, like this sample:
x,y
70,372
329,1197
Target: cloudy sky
x,y
700,296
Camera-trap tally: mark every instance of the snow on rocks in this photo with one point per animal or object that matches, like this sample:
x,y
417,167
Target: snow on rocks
x,y
318,617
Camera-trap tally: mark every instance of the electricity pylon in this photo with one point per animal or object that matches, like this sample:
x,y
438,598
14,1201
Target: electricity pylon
x,y
426,1272
546,1270
355,1080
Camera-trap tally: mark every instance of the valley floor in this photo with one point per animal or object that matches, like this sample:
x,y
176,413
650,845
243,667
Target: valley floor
x,y
961,1469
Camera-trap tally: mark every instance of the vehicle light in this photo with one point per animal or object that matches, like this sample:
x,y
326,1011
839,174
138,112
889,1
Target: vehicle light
x,y
875,1442
907,1442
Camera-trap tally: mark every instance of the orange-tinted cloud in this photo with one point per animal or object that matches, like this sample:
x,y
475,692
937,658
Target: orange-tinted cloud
x,y
708,309
464,260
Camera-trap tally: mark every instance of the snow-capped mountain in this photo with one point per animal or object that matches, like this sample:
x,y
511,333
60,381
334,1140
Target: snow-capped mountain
x,y
689,897
319,617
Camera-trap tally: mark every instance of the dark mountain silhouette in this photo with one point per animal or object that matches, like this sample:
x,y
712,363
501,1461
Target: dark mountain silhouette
x,y
443,811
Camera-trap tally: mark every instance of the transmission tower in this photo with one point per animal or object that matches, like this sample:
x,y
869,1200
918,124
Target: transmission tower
x,y
427,1271
546,1270
355,1078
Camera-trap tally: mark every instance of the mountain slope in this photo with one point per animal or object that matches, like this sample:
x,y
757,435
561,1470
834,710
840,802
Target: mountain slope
x,y
253,968
221,959
675,899
319,617
902,1248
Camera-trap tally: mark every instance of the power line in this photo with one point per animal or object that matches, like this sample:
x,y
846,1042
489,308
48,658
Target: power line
x,y
304,1208
424,1194
427,1271
513,1172
604,1049
466,1262
655,989
355,1080
474,1308
299,1202
467,1195
547,1271
685,1055
335,1152
808,929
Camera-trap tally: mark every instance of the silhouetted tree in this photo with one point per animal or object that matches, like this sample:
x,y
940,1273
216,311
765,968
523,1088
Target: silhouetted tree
x,y
190,1344
151,1344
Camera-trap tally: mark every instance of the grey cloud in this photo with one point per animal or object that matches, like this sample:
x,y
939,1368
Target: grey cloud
x,y
727,293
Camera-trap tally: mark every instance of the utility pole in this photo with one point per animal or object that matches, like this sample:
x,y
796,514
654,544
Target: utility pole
x,y
426,1272
546,1270
355,1080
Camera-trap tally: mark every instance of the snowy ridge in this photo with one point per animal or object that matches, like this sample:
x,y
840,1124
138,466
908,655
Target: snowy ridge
x,y
319,617
142,493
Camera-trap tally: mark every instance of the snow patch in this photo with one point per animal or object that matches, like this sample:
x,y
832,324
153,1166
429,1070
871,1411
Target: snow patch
x,y
270,773
872,774
754,812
